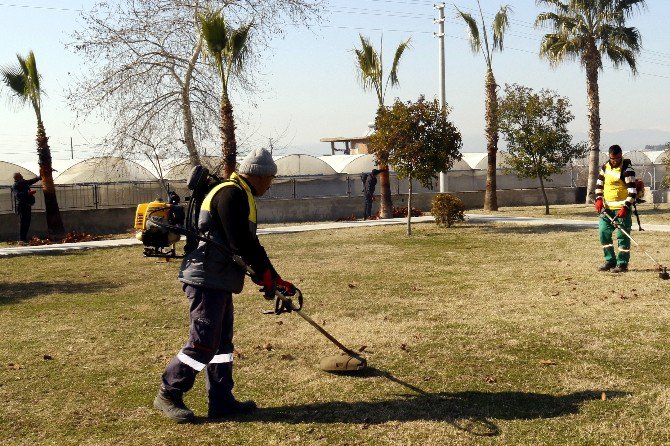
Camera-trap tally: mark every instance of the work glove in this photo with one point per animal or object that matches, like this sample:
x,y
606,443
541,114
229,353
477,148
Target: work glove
x,y
599,205
622,213
286,288
267,282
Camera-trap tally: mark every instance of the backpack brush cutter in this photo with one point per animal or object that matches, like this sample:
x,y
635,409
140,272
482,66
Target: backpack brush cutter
x,y
158,231
663,270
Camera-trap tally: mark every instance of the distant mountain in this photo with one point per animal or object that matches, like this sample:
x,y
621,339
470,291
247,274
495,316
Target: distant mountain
x,y
632,139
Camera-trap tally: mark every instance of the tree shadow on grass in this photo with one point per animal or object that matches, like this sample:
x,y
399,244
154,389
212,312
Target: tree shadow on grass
x,y
15,292
471,411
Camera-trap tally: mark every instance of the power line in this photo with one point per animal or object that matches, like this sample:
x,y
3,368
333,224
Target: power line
x,y
51,8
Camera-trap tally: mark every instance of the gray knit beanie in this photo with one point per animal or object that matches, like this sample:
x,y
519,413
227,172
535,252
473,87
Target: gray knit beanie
x,y
258,162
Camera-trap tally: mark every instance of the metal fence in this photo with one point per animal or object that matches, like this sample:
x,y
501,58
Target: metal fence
x,y
129,194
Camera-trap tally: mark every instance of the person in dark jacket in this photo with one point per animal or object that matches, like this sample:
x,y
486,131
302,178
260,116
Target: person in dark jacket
x,y
369,192
210,277
23,202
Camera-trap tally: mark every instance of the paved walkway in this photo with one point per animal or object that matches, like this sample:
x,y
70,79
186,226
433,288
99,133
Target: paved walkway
x,y
473,218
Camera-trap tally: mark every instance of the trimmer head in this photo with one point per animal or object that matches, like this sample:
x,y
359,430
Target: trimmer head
x,y
343,363
664,275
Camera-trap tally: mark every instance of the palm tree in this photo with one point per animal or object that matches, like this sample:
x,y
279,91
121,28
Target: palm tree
x,y
228,47
24,81
498,28
371,73
589,30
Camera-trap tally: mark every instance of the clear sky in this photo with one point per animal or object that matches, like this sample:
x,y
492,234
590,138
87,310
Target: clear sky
x,y
309,88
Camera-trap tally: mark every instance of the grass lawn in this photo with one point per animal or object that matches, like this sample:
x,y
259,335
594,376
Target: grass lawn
x,y
477,334
649,213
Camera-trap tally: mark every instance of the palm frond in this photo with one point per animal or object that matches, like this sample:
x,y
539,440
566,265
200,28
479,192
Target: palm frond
x,y
368,64
393,75
558,5
630,7
237,47
500,24
475,41
13,77
215,34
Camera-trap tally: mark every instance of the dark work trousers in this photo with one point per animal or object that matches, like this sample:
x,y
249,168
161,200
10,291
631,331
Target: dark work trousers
x,y
367,210
209,346
25,214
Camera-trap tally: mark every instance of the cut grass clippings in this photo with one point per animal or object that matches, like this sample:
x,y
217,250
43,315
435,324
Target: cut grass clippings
x,y
477,334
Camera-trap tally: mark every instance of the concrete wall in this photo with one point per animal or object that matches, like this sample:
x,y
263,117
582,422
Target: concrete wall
x,y
119,220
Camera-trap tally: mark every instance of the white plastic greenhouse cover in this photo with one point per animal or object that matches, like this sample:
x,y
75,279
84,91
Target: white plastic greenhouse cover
x,y
637,157
182,169
104,170
351,164
656,156
7,171
299,165
479,160
473,158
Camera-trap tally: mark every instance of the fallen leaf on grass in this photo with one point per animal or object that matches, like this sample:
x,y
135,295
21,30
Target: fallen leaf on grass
x,y
267,346
287,357
555,294
548,362
352,285
280,322
404,347
13,366
48,357
490,380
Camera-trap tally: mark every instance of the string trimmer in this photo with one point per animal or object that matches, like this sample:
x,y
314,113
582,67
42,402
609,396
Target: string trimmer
x,y
663,270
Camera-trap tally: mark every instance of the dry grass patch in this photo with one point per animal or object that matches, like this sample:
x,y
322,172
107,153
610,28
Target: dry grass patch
x,y
479,334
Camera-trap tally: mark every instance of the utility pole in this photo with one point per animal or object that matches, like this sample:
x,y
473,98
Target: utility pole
x,y
441,64
71,148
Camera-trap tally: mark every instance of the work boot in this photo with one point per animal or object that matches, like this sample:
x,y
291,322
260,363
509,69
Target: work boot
x,y
231,409
607,267
173,406
620,269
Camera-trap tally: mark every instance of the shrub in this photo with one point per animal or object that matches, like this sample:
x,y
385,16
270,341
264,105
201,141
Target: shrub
x,y
447,209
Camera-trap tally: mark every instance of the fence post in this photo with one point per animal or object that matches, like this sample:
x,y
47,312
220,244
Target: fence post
x,y
348,186
294,190
95,195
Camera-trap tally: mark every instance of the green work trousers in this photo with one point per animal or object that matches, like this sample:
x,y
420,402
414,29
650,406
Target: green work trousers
x,y
606,230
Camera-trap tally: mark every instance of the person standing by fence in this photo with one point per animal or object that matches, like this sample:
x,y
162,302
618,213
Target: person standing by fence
x,y
24,199
369,183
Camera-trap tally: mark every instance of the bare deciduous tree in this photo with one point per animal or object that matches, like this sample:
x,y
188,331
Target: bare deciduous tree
x,y
145,74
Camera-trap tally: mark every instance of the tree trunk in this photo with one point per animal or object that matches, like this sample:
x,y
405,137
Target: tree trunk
x,y
544,195
594,123
54,221
187,114
490,196
386,205
409,207
228,142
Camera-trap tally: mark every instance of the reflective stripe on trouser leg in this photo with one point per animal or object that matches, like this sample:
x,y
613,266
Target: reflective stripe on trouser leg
x,y
624,242
206,315
219,372
605,230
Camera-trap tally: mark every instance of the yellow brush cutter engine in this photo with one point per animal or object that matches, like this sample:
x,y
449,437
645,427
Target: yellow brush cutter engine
x,y
150,221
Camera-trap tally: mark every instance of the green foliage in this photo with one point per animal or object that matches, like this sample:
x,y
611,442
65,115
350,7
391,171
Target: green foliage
x,y
447,209
535,128
229,47
418,137
370,67
590,30
23,80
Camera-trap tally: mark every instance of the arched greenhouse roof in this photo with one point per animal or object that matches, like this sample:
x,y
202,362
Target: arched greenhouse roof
x,y
351,164
106,169
299,165
8,169
637,157
473,158
479,160
656,156
182,169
